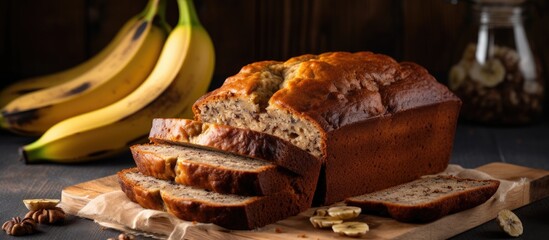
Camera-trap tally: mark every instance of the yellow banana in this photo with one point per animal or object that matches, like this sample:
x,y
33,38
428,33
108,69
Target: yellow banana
x,y
185,66
122,84
123,70
32,84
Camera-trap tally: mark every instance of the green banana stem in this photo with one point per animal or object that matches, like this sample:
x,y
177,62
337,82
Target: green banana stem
x,y
161,19
150,10
187,13
30,153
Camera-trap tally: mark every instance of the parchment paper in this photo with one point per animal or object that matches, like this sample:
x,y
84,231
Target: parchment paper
x,y
115,210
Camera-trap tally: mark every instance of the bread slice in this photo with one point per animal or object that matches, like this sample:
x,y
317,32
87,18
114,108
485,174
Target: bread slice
x,y
236,140
426,199
194,204
212,170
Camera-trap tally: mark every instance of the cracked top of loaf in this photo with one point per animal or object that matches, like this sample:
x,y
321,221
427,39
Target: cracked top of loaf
x,y
334,89
303,99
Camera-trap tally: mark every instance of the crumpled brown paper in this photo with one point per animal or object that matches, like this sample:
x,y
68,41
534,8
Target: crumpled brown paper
x,y
505,186
115,210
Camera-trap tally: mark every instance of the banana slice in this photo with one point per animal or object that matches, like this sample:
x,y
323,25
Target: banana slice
x,y
457,76
42,203
324,221
510,223
351,229
345,212
490,74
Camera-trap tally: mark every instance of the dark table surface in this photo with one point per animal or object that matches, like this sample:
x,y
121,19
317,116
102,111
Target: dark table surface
x,y
474,146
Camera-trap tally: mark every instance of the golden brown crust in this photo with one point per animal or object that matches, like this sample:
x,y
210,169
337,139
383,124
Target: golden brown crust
x,y
153,165
389,151
256,213
220,180
147,198
266,180
415,89
236,140
338,88
251,212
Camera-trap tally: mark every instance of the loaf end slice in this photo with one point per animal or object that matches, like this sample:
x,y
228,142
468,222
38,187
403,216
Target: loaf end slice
x,y
212,170
236,140
194,204
426,199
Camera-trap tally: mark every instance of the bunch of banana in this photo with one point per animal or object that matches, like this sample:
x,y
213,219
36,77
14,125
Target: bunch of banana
x,y
25,86
33,84
105,79
181,75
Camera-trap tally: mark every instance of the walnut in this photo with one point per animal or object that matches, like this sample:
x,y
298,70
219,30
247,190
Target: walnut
x,y
19,227
47,216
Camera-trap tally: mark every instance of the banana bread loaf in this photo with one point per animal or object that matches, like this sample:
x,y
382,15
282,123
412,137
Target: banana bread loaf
x,y
236,140
426,199
373,122
194,204
216,171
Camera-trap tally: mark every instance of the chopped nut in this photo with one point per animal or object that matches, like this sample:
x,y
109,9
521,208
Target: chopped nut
x,y
47,216
497,91
321,212
19,227
278,230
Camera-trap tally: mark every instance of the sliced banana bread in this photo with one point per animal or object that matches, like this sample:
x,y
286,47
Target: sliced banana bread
x,y
236,140
374,122
212,170
426,199
194,204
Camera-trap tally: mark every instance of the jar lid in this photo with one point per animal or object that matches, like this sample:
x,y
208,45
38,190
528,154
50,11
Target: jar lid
x,y
492,2
500,2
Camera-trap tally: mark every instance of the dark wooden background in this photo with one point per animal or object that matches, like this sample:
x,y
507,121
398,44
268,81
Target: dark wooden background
x,y
43,36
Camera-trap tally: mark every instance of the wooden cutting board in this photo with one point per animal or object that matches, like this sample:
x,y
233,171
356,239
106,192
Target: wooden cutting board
x,y
535,187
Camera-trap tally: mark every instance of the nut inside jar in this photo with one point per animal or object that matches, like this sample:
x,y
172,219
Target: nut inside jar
x,y
498,90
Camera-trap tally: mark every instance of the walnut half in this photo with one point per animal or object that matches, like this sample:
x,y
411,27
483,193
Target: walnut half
x,y
19,227
47,216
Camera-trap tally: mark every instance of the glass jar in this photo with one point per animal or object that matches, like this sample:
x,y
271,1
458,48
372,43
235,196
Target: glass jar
x,y
497,72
